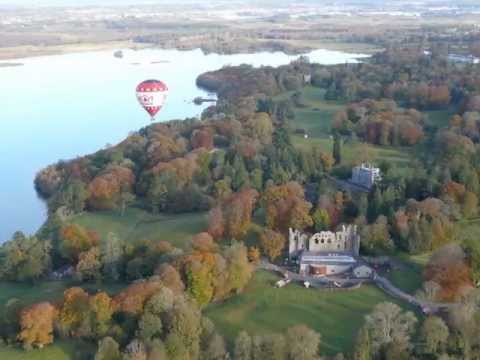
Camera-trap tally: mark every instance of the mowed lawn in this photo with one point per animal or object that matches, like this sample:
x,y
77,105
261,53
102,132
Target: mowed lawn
x,y
137,225
263,309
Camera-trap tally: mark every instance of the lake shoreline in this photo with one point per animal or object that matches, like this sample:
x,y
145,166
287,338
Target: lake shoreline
x,y
32,51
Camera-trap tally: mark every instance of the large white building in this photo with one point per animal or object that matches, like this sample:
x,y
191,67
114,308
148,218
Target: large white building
x,y
365,175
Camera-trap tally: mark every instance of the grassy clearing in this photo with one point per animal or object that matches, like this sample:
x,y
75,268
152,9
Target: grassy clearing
x,y
137,225
408,276
264,309
316,118
61,350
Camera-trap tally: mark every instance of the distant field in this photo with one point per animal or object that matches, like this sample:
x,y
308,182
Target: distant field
x,y
264,309
136,225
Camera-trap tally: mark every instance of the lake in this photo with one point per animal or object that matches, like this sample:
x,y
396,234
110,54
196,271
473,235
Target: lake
x,y
63,106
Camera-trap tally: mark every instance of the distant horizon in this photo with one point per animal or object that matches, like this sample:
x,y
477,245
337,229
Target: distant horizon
x,y
81,3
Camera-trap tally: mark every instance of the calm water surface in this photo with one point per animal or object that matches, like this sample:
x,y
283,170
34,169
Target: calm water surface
x,y
63,106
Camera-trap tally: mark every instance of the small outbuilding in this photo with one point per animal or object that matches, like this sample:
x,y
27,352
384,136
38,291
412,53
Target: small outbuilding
x,y
363,272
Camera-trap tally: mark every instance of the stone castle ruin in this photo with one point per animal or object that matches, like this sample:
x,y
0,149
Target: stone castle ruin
x,y
346,240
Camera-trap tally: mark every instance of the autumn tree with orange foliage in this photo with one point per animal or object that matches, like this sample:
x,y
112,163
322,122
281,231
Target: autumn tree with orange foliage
x,y
75,239
286,207
36,324
210,274
449,269
202,138
232,218
132,299
105,189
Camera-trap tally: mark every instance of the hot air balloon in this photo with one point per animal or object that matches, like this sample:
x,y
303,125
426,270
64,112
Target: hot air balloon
x,y
151,94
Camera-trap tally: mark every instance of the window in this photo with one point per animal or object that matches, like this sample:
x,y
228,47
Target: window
x,y
316,241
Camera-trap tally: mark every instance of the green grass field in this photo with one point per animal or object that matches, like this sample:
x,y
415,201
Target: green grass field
x,y
264,309
136,225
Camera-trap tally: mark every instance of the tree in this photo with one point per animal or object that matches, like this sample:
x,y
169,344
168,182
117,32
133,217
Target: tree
x,y
75,239
216,349
199,280
321,219
73,196
239,269
254,255
243,347
135,350
216,223
337,149
262,127
285,207
233,217
170,278
363,345
36,323
102,308
150,325
376,237
108,349
448,268
112,252
183,322
269,347
89,265
132,299
126,199
470,205
24,258
434,334
272,243
303,343
388,323
74,313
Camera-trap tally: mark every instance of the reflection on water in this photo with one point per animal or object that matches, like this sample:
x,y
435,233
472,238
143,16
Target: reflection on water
x,y
60,107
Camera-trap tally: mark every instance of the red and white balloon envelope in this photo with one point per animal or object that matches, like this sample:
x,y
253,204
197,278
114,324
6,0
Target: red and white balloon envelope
x,y
151,94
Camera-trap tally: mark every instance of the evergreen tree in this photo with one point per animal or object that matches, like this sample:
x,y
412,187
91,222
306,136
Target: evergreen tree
x,y
337,148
